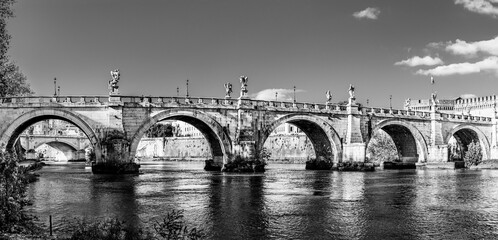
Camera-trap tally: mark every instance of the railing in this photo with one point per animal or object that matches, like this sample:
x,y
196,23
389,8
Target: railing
x,y
222,102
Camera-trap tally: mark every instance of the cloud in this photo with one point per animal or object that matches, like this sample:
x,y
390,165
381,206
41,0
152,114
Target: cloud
x,y
418,61
269,94
368,13
489,64
460,47
486,7
468,95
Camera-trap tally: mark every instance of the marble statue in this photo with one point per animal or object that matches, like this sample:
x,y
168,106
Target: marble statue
x,y
408,103
351,91
243,86
434,98
228,89
113,83
328,96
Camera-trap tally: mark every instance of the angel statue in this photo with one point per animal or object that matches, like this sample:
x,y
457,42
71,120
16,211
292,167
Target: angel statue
x,y
329,96
243,86
228,89
351,91
113,83
434,98
408,103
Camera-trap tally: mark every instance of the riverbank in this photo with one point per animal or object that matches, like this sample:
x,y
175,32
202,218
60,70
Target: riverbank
x,y
487,164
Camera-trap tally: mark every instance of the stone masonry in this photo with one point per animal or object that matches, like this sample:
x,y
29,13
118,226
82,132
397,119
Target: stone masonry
x,y
241,127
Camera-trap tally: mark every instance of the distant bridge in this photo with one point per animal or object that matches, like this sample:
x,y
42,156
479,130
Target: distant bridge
x,y
115,124
72,146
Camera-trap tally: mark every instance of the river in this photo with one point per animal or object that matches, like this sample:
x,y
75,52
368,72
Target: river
x,y
286,202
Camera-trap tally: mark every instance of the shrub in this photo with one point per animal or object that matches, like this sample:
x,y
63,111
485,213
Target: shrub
x,y
13,183
173,227
473,156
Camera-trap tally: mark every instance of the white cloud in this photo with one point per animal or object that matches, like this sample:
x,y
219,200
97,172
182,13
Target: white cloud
x,y
460,47
419,61
486,7
489,64
368,13
282,94
468,95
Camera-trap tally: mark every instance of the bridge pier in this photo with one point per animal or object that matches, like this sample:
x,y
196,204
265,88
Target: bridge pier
x,y
354,149
354,152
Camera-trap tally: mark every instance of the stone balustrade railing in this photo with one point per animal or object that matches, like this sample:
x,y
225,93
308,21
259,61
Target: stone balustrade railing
x,y
260,104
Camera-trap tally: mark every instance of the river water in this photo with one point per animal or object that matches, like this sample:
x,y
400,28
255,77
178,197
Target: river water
x,y
286,202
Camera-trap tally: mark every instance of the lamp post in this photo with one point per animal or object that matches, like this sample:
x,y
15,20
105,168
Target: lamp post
x,y
294,94
187,88
276,96
177,91
58,90
55,87
390,101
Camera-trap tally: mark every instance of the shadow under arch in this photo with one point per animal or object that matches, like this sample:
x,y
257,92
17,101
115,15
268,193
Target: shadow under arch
x,y
408,140
69,151
11,134
465,134
218,139
53,143
322,135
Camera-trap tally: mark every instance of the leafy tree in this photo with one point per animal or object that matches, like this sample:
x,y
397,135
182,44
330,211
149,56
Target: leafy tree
x,y
473,156
160,130
13,184
382,148
12,81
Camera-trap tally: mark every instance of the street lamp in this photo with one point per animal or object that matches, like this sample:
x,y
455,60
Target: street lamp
x,y
55,87
294,94
390,101
276,96
187,88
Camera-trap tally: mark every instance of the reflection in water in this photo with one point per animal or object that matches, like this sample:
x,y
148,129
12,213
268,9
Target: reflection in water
x,y
286,202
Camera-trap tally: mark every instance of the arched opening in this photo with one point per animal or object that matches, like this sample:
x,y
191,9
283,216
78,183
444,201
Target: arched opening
x,y
395,143
300,138
44,126
459,140
59,152
173,140
195,135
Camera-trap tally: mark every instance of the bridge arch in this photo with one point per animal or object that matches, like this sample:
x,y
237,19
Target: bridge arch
x,y
67,149
66,143
322,135
215,134
410,143
465,134
11,134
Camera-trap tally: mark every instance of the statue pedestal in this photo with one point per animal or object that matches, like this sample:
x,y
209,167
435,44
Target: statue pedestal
x,y
114,99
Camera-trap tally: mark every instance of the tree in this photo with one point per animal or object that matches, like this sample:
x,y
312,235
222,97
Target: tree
x,y
12,81
382,148
473,156
160,130
12,193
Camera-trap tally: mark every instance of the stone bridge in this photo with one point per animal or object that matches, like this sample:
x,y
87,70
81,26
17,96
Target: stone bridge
x,y
115,124
73,147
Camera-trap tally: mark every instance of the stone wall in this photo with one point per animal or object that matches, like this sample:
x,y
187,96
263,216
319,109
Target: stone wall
x,y
287,148
294,148
188,148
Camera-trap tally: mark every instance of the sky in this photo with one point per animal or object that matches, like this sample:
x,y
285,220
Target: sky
x,y
382,47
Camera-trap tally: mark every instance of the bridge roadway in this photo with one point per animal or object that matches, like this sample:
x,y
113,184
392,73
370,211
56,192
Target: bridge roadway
x,y
115,125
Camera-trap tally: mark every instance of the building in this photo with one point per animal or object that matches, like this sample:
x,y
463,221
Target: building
x,y
477,106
